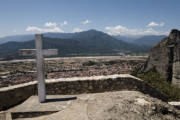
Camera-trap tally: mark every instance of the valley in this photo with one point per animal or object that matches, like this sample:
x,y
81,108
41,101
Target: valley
x,y
22,71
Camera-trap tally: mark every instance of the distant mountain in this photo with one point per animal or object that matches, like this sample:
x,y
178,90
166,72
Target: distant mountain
x,y
60,35
17,38
149,40
125,38
145,40
22,38
84,43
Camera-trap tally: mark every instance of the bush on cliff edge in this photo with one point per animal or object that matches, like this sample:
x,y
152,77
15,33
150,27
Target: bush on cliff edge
x,y
153,78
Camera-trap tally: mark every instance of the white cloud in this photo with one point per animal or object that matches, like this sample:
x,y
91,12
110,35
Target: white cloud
x,y
33,28
1,36
122,30
14,31
154,24
64,23
37,29
77,30
50,24
86,22
48,27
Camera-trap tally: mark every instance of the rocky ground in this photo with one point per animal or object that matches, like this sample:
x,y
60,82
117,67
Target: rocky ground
x,y
17,72
121,105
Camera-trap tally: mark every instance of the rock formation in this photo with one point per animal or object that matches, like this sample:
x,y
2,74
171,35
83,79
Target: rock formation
x,y
119,105
165,57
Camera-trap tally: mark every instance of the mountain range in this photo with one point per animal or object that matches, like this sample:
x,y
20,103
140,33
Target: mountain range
x,y
90,42
149,40
125,38
22,38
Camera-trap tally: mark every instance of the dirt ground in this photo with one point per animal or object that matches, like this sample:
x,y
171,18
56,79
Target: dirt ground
x,y
120,105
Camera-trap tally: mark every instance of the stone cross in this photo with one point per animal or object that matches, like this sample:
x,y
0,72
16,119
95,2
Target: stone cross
x,y
39,53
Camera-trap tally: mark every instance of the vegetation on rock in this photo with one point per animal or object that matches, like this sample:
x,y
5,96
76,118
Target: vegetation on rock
x,y
156,80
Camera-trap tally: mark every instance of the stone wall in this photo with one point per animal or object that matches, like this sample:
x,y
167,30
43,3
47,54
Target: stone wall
x,y
14,95
165,57
11,96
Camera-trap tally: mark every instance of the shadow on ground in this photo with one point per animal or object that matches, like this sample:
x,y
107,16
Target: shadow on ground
x,y
60,99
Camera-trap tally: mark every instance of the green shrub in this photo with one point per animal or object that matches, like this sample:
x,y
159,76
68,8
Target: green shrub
x,y
111,62
154,78
89,63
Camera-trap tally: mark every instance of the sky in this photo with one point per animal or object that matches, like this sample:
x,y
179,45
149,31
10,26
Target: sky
x,y
115,17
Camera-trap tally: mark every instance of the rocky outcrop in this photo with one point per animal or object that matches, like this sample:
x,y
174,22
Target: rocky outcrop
x,y
119,105
165,57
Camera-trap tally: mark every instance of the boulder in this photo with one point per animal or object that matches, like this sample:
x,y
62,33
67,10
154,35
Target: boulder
x,y
165,57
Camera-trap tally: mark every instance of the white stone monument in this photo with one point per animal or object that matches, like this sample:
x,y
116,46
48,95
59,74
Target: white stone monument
x,y
39,53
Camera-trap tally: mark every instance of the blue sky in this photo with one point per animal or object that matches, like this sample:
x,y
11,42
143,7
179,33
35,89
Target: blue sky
x,y
116,17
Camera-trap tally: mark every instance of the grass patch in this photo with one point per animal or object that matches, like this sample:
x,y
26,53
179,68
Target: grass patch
x,y
155,79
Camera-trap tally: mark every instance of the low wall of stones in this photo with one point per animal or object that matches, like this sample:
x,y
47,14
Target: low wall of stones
x,y
11,96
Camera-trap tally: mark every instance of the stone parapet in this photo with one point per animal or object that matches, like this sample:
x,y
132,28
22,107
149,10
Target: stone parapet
x,y
13,95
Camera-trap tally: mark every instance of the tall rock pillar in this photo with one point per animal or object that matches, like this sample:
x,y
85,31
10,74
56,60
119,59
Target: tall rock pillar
x,y
176,61
165,57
